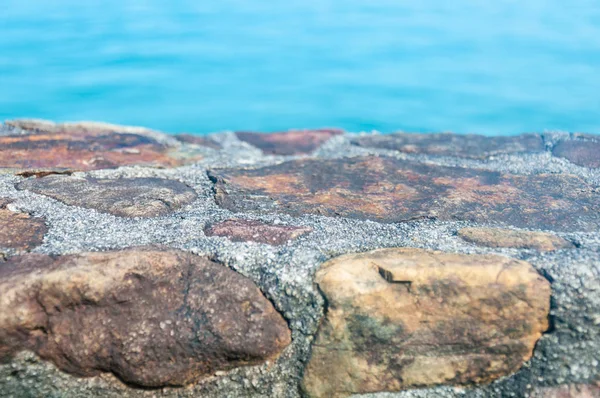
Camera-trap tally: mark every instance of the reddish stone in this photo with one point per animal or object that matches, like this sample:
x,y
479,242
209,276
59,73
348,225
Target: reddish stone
x,y
567,391
18,230
198,140
256,231
391,190
293,142
152,317
582,153
448,144
126,197
85,146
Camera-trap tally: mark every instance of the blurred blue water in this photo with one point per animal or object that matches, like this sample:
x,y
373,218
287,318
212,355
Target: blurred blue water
x,y
499,67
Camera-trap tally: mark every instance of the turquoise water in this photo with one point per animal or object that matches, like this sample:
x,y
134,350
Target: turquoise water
x,y
499,67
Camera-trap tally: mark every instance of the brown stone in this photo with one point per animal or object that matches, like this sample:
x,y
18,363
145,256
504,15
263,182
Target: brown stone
x,y
86,146
198,140
18,230
447,144
126,197
293,142
386,189
496,237
567,391
152,317
405,318
256,231
582,153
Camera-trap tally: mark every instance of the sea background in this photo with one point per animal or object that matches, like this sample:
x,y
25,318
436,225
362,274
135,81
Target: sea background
x,y
500,67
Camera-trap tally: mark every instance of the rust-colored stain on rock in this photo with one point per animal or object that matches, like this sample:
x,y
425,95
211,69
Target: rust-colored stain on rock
x,y
152,317
582,153
567,391
402,318
126,197
256,231
18,230
386,189
293,142
447,144
85,146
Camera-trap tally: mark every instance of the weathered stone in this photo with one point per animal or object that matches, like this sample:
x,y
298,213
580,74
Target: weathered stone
x,y
402,318
86,146
18,230
582,153
152,317
448,144
386,189
496,237
256,231
126,197
198,140
567,391
293,142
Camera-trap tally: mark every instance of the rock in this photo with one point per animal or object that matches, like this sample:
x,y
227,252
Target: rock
x,y
18,230
125,197
401,318
388,190
152,317
582,153
567,391
447,144
496,237
256,231
198,140
293,142
38,144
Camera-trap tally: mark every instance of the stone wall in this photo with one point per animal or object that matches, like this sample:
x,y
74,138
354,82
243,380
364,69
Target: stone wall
x,y
309,263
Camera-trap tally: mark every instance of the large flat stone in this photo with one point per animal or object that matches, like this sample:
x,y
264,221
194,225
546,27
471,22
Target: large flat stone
x,y
39,144
126,197
152,317
447,144
498,237
293,142
582,153
386,189
20,231
403,318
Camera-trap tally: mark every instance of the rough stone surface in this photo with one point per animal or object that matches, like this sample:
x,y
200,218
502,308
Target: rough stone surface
x,y
448,144
399,318
582,153
497,237
152,317
566,354
293,142
198,140
19,231
568,391
255,231
132,197
386,189
37,144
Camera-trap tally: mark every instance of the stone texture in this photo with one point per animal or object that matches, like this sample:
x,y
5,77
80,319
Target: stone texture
x,y
496,237
386,189
447,144
39,144
126,197
401,318
18,230
152,317
568,391
198,140
582,153
256,231
293,142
